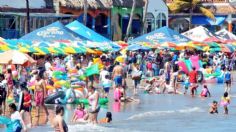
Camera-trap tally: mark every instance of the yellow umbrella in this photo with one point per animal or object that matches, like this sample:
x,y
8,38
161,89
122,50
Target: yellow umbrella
x,y
120,59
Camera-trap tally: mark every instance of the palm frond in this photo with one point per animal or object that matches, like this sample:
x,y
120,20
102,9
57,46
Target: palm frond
x,y
178,5
207,13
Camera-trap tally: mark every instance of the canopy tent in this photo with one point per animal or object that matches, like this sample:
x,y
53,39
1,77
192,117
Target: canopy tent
x,y
53,32
225,35
134,47
89,34
199,34
162,35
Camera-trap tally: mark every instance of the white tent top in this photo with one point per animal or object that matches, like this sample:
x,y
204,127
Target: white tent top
x,y
199,34
225,35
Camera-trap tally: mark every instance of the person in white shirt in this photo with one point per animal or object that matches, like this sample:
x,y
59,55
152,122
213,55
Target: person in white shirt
x,y
103,74
16,118
48,66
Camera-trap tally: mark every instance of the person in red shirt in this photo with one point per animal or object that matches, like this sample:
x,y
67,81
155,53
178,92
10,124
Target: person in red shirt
x,y
26,106
193,81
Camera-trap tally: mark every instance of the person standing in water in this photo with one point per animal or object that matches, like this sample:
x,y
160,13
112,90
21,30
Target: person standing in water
x,y
118,74
39,94
228,79
58,122
225,101
193,81
94,106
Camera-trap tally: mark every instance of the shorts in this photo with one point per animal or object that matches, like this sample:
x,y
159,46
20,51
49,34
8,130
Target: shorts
x,y
118,80
27,109
90,110
228,82
106,89
186,87
39,100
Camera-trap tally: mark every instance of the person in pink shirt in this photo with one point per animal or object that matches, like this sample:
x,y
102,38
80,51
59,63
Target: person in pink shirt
x,y
79,113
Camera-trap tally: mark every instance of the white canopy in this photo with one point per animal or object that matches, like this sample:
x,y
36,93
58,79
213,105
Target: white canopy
x,y
225,35
199,34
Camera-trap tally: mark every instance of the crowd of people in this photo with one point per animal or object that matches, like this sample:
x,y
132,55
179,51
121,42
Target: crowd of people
x,y
159,70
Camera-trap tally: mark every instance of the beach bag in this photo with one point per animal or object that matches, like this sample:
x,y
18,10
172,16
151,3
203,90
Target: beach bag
x,y
136,75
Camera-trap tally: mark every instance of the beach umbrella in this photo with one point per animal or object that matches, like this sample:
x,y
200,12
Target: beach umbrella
x,y
24,50
213,39
41,50
55,50
15,57
120,59
168,44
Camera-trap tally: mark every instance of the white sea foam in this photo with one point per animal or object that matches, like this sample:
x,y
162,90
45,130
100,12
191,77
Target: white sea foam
x,y
161,113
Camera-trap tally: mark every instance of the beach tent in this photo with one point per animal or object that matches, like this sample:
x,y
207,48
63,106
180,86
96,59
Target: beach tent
x,y
225,35
199,34
53,32
162,35
89,34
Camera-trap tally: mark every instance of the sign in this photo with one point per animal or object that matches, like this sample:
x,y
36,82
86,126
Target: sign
x,y
51,32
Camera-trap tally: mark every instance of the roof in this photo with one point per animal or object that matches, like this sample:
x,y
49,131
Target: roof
x,y
50,15
100,4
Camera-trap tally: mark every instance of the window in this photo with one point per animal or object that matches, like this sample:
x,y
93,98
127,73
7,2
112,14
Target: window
x,y
161,20
149,22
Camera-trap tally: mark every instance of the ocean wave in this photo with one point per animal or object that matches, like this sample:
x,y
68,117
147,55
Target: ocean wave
x,y
93,128
161,113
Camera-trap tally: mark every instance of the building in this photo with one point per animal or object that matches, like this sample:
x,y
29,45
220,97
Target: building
x,y
13,16
107,17
223,10
157,16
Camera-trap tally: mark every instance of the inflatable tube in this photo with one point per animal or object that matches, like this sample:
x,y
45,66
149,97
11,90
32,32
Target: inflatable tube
x,y
78,94
188,64
101,101
117,94
69,95
195,62
200,63
7,121
183,66
200,76
212,80
51,99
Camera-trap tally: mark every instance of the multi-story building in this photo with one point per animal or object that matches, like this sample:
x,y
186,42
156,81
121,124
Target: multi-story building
x,y
157,16
224,11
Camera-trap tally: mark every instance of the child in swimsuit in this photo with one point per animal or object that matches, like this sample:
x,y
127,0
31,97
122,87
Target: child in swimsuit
x,y
107,119
225,101
79,113
186,84
214,108
205,91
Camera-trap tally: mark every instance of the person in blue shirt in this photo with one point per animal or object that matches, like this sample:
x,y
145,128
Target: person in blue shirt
x,y
228,79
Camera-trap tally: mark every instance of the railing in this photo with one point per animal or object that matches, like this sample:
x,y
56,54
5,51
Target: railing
x,y
205,1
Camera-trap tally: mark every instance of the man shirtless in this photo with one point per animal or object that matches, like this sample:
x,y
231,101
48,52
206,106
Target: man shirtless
x,y
39,94
118,74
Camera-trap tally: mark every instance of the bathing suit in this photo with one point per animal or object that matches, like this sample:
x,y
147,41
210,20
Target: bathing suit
x,y
79,113
118,80
225,101
39,100
92,102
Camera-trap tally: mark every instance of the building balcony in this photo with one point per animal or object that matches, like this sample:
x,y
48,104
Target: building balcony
x,y
205,1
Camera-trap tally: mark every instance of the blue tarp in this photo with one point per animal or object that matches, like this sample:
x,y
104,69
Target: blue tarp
x,y
202,20
89,34
53,32
162,35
